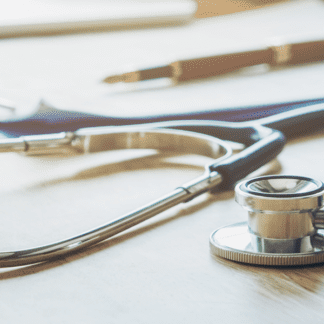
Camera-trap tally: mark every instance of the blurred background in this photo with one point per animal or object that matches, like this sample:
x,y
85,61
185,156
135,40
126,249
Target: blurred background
x,y
222,7
23,17
61,50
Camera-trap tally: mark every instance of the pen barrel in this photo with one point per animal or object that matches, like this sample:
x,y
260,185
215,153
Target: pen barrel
x,y
155,73
216,65
292,54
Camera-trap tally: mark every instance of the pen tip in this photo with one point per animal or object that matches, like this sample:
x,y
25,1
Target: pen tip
x,y
114,79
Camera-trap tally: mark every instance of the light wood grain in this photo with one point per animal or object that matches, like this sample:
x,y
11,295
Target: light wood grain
x,y
160,271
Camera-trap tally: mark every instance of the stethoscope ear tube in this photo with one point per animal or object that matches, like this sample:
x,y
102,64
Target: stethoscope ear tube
x,y
292,124
240,165
296,122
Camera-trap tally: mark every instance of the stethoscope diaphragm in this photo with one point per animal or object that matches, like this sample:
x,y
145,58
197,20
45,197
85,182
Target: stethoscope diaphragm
x,y
284,224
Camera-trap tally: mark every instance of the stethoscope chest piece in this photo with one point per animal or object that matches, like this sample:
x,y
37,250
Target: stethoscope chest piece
x,y
285,224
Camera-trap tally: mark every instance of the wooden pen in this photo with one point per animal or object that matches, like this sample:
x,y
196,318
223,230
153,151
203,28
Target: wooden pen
x,y
205,67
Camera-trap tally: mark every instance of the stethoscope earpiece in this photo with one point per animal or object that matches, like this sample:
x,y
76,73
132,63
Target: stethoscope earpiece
x,y
284,223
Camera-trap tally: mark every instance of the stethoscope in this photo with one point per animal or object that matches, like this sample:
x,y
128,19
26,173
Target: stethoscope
x,y
297,241
284,226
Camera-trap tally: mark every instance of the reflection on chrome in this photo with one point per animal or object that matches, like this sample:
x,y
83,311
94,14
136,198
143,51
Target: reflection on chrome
x,y
283,186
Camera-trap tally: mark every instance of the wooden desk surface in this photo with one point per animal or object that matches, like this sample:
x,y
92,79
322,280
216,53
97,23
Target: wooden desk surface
x,y
160,271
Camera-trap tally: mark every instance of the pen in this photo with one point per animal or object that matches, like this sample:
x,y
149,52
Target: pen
x,y
204,67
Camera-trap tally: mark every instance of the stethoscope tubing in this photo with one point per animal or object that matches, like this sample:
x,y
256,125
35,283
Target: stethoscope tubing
x,y
263,144
48,120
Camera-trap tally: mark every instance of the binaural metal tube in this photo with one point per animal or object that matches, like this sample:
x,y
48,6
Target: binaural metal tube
x,y
12,145
47,252
38,144
224,168
103,139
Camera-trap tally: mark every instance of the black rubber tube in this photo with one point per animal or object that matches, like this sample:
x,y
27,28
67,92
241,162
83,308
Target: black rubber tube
x,y
240,165
295,123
